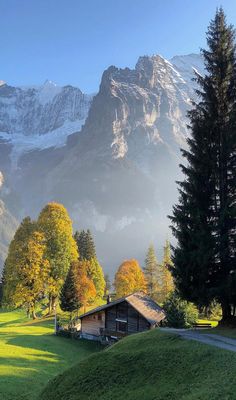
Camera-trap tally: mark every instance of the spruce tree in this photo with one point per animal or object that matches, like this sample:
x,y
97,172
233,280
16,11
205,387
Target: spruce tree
x,y
90,246
152,273
85,244
204,219
69,299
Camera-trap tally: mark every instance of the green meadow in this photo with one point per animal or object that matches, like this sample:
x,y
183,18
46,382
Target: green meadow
x,y
35,364
149,366
30,355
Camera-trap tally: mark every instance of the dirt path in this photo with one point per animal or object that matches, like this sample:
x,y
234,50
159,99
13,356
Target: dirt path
x,y
210,339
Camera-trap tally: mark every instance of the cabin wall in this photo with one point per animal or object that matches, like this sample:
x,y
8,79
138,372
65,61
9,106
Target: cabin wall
x,y
123,317
92,324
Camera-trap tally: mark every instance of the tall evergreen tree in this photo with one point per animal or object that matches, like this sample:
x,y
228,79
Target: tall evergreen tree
x,y
204,220
87,252
85,243
152,272
69,297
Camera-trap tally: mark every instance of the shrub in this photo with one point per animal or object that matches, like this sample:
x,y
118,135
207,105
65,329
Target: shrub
x,y
179,312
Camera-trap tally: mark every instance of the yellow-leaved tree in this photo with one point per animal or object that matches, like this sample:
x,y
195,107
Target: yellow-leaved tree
x,y
129,278
26,268
61,249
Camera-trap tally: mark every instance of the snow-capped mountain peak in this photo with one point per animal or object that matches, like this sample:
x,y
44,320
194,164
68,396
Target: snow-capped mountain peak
x,y
48,91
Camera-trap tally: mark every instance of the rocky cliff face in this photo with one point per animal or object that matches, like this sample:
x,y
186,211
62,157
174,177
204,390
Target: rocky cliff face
x,y
37,118
117,175
125,160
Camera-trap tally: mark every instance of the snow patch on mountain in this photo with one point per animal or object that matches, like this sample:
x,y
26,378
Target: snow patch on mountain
x,y
40,117
22,144
187,64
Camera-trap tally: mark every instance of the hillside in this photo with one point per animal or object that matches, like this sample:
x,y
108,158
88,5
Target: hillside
x,y
149,366
30,355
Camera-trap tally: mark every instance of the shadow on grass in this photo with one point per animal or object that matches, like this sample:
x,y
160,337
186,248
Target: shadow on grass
x,y
9,323
53,344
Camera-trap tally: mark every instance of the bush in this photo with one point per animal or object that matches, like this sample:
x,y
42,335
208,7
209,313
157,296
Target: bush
x,y
180,313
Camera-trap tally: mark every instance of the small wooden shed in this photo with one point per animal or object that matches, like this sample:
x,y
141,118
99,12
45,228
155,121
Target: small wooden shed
x,y
134,313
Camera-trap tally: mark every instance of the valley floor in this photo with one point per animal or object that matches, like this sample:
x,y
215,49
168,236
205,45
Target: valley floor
x,y
30,355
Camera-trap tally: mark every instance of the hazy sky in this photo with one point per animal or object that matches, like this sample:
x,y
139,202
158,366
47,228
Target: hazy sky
x,y
73,41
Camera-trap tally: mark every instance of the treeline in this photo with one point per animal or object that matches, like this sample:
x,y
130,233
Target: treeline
x,y
47,265
42,257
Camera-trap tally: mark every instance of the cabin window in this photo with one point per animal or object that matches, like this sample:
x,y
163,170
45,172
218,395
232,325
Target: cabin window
x,y
94,317
121,326
99,317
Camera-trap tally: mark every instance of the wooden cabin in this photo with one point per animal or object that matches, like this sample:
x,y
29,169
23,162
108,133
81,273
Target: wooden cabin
x,y
131,314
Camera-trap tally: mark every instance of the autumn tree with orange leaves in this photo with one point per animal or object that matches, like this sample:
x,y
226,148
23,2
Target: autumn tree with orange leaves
x,y
78,289
129,278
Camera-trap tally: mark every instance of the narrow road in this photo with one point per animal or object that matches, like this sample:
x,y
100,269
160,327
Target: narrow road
x,y
210,339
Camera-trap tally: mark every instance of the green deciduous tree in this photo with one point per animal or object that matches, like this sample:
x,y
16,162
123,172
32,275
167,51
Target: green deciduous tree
x,y
95,273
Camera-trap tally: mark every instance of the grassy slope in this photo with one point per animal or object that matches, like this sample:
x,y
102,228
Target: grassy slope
x,y
30,355
149,366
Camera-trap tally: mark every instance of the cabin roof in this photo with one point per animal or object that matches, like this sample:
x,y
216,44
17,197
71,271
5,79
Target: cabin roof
x,y
142,303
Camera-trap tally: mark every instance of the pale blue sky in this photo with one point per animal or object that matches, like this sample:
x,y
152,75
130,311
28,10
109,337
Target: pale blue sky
x,y
73,41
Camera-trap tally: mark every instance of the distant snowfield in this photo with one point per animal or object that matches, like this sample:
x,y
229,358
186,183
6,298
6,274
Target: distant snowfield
x,y
22,144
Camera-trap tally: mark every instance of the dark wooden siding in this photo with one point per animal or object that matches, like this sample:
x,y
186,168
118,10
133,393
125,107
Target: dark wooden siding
x,y
111,318
125,312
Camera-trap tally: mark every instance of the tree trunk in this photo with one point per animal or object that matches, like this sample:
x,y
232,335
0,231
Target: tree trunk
x,y
226,312
50,305
34,316
53,303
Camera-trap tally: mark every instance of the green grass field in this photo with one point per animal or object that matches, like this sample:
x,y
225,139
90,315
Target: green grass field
x,y
149,366
30,355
